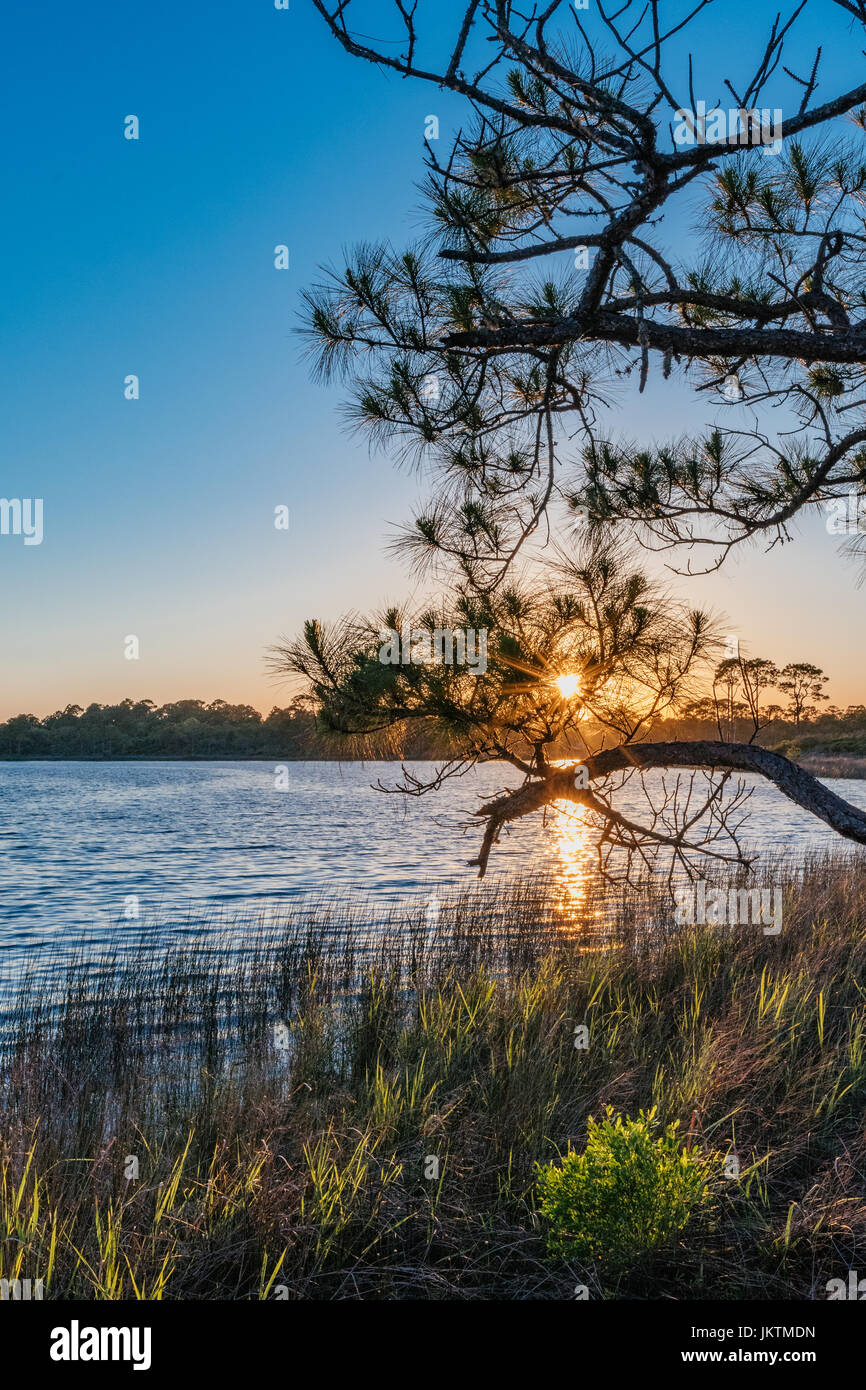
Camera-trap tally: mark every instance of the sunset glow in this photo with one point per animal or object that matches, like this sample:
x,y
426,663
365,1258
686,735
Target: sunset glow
x,y
567,686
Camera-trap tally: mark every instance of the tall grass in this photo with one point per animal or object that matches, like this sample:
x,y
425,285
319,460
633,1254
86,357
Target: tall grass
x,y
328,1115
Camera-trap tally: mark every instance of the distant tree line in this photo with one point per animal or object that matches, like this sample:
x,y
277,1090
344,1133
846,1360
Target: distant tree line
x,y
141,729
742,690
193,729
188,729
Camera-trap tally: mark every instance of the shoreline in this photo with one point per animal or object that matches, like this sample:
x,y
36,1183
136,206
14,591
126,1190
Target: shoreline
x,y
828,767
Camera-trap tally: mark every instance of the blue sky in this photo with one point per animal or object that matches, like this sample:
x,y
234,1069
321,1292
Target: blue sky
x,y
155,257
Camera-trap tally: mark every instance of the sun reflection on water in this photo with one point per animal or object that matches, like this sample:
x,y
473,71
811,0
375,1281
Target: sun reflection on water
x,y
577,869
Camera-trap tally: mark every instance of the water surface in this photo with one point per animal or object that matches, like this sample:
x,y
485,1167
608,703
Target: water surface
x,y
192,841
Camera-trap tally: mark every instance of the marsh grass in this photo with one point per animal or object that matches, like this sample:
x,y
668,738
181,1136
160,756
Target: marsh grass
x,y
299,1171
831,765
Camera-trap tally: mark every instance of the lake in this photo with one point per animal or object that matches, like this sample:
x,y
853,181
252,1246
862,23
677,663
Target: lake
x,y
191,841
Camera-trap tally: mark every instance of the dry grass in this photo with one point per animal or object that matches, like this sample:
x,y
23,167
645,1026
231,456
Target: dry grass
x,y
834,765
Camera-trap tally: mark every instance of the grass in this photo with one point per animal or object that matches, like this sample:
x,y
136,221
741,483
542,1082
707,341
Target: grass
x,y
324,1117
830,764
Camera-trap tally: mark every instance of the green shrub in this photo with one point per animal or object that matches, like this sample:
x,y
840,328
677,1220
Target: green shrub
x,y
855,746
630,1191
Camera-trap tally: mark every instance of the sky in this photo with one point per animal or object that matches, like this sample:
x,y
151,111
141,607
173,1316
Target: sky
x,y
155,258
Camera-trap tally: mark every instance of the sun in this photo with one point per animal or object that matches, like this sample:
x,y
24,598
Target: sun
x,y
567,686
